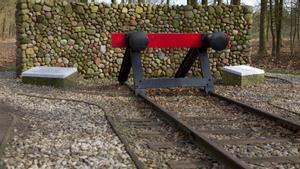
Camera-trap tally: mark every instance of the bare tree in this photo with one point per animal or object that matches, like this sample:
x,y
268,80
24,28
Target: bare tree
x,y
293,27
278,23
204,2
189,2
3,27
262,28
194,2
272,27
298,19
235,2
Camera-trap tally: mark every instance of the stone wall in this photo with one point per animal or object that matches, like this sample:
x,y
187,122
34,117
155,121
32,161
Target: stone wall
x,y
78,35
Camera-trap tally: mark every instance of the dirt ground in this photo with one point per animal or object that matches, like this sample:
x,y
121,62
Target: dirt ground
x,y
285,63
7,53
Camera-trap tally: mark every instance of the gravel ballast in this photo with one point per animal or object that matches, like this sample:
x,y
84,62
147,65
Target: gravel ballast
x,y
276,96
67,134
58,134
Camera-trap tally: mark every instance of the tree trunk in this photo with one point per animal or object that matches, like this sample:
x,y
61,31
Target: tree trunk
x,y
204,2
84,1
194,2
262,41
268,25
168,2
278,12
189,2
293,27
235,2
220,2
3,27
272,21
298,19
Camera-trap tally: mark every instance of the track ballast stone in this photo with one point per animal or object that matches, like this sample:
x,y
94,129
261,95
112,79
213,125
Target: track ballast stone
x,y
59,134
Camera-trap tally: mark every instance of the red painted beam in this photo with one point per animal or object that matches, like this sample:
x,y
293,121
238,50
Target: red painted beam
x,y
162,40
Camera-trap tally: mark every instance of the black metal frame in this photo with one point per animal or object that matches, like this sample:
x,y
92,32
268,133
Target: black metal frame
x,y
132,58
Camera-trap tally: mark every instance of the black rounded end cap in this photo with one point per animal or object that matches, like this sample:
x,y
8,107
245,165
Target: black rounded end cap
x,y
137,41
218,41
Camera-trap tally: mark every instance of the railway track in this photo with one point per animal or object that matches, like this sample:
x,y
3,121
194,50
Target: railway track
x,y
212,132
238,135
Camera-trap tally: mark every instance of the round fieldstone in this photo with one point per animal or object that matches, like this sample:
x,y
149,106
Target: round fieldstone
x,y
124,10
63,42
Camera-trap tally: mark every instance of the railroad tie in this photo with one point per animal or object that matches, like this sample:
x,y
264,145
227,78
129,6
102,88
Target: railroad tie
x,y
142,123
224,131
159,146
138,120
189,164
149,134
207,118
252,141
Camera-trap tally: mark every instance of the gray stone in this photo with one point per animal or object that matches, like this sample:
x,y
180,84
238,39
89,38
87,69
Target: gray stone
x,y
161,55
47,8
188,14
119,61
63,42
29,51
49,2
103,49
94,9
124,10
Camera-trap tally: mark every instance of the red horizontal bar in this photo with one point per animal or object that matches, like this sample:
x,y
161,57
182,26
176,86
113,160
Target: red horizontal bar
x,y
163,40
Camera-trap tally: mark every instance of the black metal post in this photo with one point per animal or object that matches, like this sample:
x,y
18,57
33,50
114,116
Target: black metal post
x,y
205,70
187,63
125,67
137,69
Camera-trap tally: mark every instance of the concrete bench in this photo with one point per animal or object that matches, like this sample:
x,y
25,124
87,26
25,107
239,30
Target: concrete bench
x,y
242,75
52,76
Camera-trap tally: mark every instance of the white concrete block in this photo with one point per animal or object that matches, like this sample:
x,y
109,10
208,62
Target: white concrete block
x,y
243,70
49,72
